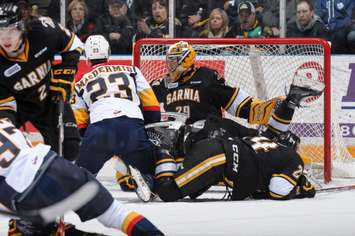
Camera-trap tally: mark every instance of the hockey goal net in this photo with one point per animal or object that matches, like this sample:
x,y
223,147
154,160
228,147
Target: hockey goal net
x,y
265,68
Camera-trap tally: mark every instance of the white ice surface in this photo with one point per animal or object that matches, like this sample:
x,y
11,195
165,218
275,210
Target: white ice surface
x,y
328,214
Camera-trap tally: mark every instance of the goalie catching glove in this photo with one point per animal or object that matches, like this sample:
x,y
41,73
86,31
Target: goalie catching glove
x,y
62,81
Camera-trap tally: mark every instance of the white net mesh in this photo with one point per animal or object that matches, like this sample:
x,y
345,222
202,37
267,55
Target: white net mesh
x,y
265,71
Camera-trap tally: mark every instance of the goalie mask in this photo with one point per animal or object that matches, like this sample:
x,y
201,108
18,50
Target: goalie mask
x,y
96,48
179,58
165,135
11,27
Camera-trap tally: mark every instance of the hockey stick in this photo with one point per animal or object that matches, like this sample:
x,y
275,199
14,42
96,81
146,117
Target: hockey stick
x,y
60,127
61,224
49,214
336,189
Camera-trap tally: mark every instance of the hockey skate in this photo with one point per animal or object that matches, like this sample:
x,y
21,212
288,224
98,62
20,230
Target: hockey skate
x,y
143,185
303,88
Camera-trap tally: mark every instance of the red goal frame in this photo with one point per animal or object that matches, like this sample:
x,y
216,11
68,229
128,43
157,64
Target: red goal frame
x,y
276,41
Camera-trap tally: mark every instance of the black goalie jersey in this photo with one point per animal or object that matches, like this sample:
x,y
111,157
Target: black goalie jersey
x,y
200,93
24,80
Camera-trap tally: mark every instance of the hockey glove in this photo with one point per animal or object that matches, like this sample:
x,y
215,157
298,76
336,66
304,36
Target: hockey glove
x,y
62,82
305,188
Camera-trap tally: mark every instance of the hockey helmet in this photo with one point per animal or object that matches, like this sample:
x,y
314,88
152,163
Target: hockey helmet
x,y
11,26
179,58
97,47
9,14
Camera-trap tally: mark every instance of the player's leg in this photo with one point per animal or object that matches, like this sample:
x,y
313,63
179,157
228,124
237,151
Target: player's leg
x,y
288,181
123,177
62,178
48,127
203,166
96,146
279,122
134,149
71,142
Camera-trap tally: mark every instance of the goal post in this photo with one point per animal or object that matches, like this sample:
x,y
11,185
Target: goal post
x,y
265,69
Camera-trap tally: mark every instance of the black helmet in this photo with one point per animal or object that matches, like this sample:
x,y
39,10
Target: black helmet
x,y
9,14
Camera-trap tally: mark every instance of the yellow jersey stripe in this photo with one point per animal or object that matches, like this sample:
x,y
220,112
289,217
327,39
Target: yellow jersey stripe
x,y
280,120
232,99
6,100
288,178
201,168
240,106
72,36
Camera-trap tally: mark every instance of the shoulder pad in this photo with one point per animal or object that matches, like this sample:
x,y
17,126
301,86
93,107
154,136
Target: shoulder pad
x,y
212,72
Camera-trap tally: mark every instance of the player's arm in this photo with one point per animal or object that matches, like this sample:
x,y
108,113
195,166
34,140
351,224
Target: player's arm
x,y
81,112
283,187
240,104
150,104
70,47
8,105
158,88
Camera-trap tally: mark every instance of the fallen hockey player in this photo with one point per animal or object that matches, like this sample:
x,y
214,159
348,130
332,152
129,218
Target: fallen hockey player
x,y
254,166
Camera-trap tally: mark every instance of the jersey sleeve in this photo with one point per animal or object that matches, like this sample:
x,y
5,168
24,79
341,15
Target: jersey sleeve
x,y
66,40
8,105
150,104
157,86
80,110
232,99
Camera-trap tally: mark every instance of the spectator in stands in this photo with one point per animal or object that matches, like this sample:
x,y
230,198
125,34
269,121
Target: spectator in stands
x,y
231,7
218,24
307,24
194,15
157,26
248,26
42,6
25,9
78,19
116,27
271,14
96,8
141,9
337,15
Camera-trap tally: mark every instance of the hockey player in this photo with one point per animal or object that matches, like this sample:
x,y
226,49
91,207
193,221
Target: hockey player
x,y
113,95
36,177
30,85
200,92
255,165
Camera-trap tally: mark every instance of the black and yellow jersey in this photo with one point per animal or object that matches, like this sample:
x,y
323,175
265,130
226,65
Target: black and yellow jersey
x,y
200,93
24,79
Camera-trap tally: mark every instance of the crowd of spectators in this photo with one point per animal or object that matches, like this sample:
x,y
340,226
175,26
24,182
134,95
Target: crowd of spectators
x,y
124,21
